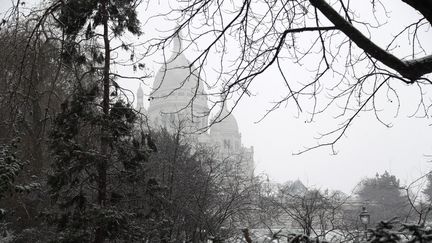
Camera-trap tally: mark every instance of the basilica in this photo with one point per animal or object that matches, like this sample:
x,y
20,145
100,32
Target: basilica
x,y
178,100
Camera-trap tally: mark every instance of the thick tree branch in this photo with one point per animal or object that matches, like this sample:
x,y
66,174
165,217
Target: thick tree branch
x,y
423,6
412,69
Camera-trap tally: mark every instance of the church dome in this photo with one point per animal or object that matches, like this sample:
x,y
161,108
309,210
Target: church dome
x,y
177,82
228,125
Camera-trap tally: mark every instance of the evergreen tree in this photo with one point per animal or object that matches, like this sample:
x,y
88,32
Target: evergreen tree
x,y
74,183
92,137
383,198
10,167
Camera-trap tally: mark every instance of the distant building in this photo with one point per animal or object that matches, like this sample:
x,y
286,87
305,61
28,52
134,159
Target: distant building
x,y
178,100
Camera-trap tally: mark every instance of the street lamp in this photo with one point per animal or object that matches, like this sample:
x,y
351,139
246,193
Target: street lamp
x,y
364,218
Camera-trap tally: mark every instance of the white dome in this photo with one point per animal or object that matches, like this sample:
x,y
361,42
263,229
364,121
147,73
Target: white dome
x,y
177,83
227,126
175,77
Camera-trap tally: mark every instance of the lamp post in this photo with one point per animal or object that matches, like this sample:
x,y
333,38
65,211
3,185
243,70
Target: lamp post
x,y
364,218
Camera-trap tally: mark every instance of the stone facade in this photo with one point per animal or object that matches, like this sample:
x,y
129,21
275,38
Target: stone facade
x,y
178,100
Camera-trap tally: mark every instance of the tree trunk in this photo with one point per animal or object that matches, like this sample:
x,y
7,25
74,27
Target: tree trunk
x,y
102,166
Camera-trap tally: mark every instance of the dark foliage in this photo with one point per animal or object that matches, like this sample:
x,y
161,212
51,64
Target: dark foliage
x,y
384,197
10,166
73,180
76,16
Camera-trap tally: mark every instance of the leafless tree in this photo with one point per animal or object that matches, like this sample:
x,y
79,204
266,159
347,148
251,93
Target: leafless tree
x,y
317,213
33,82
200,194
352,69
418,194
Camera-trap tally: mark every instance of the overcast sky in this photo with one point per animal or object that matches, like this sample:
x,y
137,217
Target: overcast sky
x,y
368,147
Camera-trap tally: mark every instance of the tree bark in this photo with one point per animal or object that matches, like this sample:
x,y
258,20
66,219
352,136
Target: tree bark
x,y
102,166
423,6
411,69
